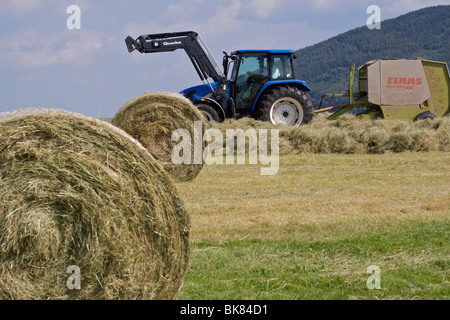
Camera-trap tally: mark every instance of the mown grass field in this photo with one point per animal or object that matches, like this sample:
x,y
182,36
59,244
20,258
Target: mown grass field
x,y
312,230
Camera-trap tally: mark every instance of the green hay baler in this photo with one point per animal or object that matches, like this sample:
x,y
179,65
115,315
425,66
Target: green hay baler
x,y
397,89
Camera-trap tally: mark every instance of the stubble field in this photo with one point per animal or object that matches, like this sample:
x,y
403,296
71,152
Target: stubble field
x,y
313,230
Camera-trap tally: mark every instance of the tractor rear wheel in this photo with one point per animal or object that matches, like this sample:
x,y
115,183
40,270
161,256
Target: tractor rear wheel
x,y
286,105
208,113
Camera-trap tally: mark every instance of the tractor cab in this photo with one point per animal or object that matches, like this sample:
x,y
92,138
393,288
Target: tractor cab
x,y
253,69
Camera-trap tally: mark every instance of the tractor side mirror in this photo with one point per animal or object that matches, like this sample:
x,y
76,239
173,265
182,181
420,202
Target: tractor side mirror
x,y
225,63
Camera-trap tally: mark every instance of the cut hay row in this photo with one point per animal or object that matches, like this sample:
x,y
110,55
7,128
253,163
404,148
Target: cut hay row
x,y
76,191
152,117
350,135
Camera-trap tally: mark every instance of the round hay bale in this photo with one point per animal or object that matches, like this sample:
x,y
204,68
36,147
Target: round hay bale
x,y
152,117
76,191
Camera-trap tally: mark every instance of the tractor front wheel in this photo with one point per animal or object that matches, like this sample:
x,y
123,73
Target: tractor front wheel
x,y
286,105
208,113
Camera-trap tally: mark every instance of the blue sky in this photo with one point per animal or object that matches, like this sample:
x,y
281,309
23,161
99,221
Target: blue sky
x,y
90,71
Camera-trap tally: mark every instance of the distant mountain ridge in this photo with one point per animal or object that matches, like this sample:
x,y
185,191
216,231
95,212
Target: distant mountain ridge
x,y
423,33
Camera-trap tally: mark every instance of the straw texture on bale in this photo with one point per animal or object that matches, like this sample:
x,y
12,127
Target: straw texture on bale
x,y
76,191
152,117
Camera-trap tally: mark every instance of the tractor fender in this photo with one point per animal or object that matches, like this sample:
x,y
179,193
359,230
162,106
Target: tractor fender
x,y
271,84
213,103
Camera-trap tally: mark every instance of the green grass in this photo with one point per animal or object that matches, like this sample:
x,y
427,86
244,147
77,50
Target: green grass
x,y
291,269
311,231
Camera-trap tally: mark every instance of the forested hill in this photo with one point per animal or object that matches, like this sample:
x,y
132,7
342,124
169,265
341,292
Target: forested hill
x,y
423,33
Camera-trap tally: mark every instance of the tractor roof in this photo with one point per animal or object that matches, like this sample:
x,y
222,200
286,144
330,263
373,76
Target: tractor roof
x,y
267,51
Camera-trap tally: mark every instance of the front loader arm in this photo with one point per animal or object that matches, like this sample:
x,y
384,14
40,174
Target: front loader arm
x,y
202,59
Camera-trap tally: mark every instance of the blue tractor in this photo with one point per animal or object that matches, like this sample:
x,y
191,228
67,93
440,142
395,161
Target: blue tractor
x,y
262,84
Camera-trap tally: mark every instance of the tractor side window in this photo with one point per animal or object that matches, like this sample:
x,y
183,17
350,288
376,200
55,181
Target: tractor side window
x,y
253,73
281,67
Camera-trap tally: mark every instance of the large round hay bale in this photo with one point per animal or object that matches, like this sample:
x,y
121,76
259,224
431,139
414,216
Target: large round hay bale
x,y
76,191
152,118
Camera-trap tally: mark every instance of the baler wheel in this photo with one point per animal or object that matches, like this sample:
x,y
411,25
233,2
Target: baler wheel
x,y
424,115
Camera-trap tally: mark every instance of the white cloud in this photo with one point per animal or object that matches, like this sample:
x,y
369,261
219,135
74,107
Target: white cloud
x,y
19,6
262,8
36,7
325,4
391,6
31,49
403,6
